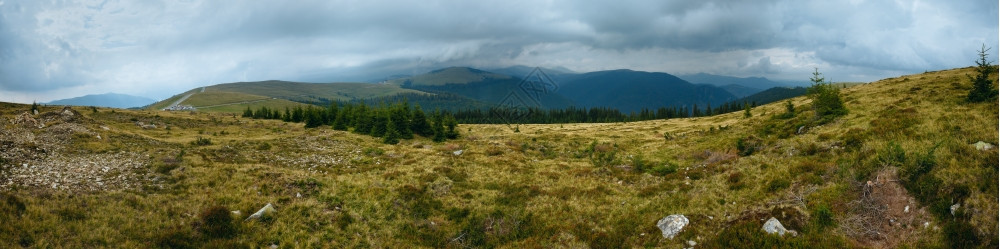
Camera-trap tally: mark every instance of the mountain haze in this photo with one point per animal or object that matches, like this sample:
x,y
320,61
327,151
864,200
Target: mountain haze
x,y
629,90
115,100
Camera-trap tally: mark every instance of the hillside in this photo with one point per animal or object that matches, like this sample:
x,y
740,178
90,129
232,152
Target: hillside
x,y
114,100
885,175
450,75
236,97
630,91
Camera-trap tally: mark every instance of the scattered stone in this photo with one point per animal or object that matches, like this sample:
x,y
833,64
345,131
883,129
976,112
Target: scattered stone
x,y
906,209
927,224
298,195
35,111
149,126
267,209
236,212
984,146
955,208
105,128
774,226
801,129
671,225
458,152
692,243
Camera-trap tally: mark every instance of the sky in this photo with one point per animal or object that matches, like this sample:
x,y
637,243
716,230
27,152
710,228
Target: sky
x,y
60,49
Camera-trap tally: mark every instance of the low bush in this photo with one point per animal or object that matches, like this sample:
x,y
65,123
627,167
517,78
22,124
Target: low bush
x,y
216,222
748,145
201,141
778,184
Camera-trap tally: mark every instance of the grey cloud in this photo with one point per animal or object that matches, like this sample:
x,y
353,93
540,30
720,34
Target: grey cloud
x,y
160,47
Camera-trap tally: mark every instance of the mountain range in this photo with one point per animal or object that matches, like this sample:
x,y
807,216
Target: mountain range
x,y
457,88
115,100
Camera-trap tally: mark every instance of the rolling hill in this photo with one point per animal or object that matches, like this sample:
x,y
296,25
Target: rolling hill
x,y
114,100
236,97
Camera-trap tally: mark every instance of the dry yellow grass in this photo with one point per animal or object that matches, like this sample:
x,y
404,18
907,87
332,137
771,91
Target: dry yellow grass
x,y
537,188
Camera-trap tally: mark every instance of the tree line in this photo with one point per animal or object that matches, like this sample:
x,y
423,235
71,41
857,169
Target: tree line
x,y
535,115
391,122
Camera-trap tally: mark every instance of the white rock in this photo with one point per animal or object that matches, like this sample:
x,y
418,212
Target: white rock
x,y
268,209
955,208
671,225
927,224
298,195
774,226
984,146
692,243
906,209
236,212
458,152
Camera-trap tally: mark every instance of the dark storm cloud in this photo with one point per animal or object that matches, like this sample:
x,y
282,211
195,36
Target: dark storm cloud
x,y
156,48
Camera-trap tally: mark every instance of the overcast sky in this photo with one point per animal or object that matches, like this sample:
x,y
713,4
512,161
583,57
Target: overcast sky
x,y
59,49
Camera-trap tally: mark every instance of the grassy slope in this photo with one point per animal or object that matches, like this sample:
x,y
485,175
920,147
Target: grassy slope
x,y
359,192
287,93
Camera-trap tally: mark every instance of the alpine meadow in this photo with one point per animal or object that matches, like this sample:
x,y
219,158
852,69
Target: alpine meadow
x,y
645,124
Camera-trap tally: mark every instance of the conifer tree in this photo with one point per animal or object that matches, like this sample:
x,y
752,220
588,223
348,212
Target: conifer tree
x,y
400,117
378,123
826,101
746,110
246,114
298,114
982,86
391,134
438,127
450,123
339,123
331,113
34,107
313,117
419,124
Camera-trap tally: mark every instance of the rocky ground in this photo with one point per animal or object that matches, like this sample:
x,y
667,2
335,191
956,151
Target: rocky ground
x,y
38,151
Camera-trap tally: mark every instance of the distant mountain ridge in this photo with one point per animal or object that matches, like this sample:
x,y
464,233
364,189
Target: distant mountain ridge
x,y
628,90
114,100
751,84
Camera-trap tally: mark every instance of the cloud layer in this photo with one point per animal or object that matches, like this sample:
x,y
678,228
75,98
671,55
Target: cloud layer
x,y
58,49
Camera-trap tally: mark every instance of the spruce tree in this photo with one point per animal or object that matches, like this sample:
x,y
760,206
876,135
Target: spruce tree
x,y
982,86
288,115
331,113
378,123
826,101
313,117
246,114
450,123
419,124
746,110
400,117
438,127
391,134
339,123
298,114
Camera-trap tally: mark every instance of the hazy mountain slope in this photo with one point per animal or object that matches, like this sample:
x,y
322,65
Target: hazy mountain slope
x,y
482,86
629,90
739,90
720,80
774,94
450,75
115,100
